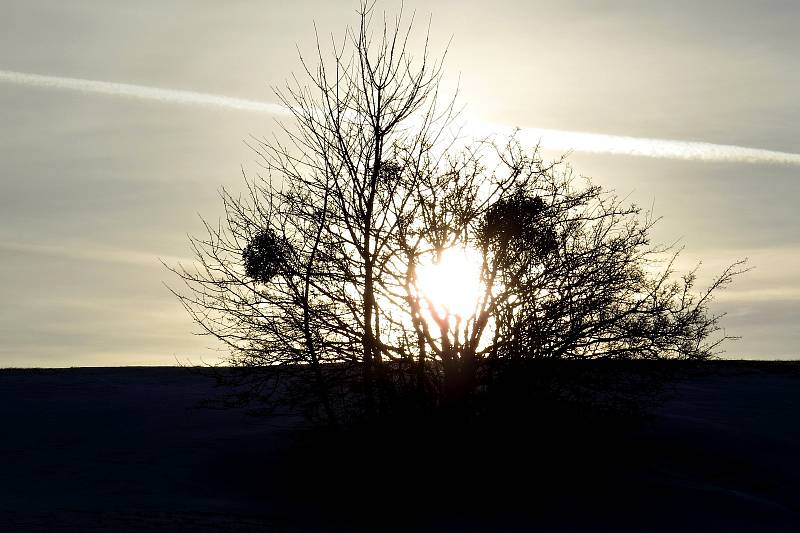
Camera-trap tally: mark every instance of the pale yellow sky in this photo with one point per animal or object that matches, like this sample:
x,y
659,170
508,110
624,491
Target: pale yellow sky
x,y
93,188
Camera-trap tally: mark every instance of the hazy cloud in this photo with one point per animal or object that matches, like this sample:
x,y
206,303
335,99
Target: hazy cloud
x,y
86,252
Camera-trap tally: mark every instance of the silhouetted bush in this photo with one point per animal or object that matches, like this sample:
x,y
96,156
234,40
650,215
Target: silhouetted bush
x,y
312,281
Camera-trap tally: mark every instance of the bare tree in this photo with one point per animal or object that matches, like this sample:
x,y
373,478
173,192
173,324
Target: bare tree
x,y
325,212
313,279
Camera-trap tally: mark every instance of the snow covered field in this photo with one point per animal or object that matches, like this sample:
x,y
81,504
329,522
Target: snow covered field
x,y
127,449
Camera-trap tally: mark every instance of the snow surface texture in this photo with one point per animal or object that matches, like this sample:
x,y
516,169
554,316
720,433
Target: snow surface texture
x,y
128,450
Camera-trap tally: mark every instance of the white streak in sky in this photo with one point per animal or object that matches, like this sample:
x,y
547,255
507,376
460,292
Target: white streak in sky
x,y
547,138
659,148
141,92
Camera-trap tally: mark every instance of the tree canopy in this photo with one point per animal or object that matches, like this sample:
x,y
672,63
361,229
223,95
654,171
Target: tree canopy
x,y
314,279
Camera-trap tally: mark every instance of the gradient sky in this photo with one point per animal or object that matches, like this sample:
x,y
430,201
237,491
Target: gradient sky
x,y
94,188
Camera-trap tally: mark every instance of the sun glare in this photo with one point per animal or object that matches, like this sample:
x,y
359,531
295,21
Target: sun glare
x,y
452,284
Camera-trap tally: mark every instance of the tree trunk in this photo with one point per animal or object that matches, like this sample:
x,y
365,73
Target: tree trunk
x,y
421,370
460,380
369,374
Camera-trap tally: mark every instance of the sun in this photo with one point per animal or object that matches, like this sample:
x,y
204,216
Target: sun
x,y
451,283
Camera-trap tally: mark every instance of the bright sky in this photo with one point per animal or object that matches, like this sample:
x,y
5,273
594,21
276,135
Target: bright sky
x,y
98,180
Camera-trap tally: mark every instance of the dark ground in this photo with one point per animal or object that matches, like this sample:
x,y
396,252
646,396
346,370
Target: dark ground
x,y
126,449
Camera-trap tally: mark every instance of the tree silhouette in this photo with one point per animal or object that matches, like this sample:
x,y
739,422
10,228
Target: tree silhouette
x,y
313,279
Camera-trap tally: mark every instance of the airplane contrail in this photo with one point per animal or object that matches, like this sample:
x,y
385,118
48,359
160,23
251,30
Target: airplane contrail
x,y
141,92
547,138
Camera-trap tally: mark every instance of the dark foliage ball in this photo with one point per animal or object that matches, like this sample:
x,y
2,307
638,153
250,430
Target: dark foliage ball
x,y
265,256
512,217
520,221
390,170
